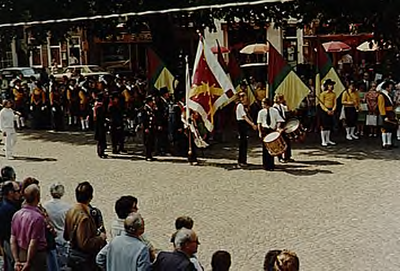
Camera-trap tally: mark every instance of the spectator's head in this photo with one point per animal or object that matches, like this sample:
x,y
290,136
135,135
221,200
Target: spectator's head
x,y
186,241
243,97
184,222
281,260
27,182
8,174
126,205
134,224
221,261
84,193
57,190
32,194
11,191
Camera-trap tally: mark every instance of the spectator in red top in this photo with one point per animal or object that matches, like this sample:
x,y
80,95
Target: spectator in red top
x,y
28,240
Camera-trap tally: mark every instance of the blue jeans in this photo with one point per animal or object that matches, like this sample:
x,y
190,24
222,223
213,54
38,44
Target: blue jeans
x,y
52,263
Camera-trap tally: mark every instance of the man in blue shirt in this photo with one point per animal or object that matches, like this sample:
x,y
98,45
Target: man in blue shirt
x,y
9,206
127,251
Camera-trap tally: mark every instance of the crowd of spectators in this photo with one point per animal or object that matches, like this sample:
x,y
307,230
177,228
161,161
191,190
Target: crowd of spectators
x,y
57,235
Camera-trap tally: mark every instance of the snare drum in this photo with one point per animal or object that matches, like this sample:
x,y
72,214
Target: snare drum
x,y
397,111
294,130
275,143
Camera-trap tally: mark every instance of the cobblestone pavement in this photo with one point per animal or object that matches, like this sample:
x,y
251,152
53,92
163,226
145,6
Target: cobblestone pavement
x,y
338,208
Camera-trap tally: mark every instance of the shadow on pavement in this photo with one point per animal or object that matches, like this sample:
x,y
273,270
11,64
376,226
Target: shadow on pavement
x,y
33,159
365,148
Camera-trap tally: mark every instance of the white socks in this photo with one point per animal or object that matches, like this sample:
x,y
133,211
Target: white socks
x,y
352,132
323,138
348,134
328,138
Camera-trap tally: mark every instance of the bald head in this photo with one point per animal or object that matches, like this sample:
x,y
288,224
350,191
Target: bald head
x,y
32,194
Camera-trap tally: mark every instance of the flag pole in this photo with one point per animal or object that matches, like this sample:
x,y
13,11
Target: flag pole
x,y
188,119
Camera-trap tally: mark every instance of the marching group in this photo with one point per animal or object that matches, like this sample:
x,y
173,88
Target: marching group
x,y
118,106
57,235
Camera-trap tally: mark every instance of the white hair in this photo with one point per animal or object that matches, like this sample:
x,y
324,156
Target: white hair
x,y
182,237
133,223
57,190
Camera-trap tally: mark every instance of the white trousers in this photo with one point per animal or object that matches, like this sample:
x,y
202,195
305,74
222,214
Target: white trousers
x,y
9,141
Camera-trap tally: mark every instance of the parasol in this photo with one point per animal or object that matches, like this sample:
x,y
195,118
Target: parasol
x,y
336,47
257,48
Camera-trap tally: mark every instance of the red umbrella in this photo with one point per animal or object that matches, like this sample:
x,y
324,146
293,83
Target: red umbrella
x,y
336,47
224,50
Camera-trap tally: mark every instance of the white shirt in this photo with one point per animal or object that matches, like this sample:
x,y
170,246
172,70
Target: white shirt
x,y
7,119
281,110
240,112
274,115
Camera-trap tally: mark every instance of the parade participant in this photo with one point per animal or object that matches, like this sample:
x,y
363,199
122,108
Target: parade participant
x,y
268,120
56,104
117,124
100,125
191,132
73,102
149,122
84,108
351,103
38,105
127,95
244,121
327,103
386,110
19,103
7,127
162,121
372,102
282,109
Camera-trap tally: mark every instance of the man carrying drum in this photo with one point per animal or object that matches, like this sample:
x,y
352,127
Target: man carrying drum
x,y
282,109
268,120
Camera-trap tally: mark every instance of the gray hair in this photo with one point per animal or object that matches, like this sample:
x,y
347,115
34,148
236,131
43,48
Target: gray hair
x,y
133,223
57,190
182,237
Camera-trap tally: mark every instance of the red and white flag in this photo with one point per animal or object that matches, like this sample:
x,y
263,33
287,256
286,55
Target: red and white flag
x,y
211,87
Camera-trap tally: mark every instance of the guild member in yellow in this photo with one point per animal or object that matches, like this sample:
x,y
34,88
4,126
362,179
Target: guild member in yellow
x,y
327,110
351,104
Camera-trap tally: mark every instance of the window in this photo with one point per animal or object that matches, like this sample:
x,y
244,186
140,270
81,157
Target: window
x,y
74,51
54,53
36,59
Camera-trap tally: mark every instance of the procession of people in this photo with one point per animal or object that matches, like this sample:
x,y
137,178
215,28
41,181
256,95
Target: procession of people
x,y
126,107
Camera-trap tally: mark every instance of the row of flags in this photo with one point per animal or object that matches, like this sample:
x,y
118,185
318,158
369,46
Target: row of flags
x,y
214,84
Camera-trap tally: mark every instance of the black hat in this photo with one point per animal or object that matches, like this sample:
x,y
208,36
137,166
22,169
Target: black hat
x,y
149,99
114,95
329,82
163,91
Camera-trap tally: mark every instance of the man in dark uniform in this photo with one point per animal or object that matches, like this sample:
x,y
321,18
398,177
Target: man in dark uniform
x,y
149,122
100,125
162,112
117,124
56,102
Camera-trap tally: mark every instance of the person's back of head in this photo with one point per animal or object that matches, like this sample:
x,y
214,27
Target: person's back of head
x,y
57,190
7,188
134,224
124,206
27,182
184,222
221,261
84,193
7,174
285,260
32,194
